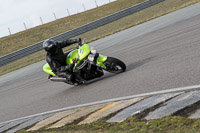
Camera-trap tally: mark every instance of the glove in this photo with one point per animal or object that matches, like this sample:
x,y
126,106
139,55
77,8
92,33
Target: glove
x,y
79,40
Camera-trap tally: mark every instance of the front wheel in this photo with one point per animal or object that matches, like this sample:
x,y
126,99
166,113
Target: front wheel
x,y
114,65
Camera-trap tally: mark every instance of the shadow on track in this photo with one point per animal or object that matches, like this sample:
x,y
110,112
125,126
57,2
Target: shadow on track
x,y
129,67
138,64
106,76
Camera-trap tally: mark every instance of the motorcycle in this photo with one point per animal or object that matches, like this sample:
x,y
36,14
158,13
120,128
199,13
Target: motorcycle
x,y
88,65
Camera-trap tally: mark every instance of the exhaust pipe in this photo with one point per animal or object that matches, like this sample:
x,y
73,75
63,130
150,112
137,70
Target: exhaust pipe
x,y
58,79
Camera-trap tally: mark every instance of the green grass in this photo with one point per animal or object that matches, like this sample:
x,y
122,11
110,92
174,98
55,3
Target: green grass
x,y
34,35
169,124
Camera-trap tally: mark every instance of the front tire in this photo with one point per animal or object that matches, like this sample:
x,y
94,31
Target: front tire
x,y
115,65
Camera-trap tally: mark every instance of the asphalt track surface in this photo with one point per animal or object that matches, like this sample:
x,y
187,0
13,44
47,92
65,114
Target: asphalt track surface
x,y
164,54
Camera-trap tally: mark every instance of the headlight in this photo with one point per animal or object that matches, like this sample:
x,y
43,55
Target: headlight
x,y
91,57
93,51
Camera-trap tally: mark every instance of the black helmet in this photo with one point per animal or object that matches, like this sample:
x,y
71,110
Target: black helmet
x,y
50,46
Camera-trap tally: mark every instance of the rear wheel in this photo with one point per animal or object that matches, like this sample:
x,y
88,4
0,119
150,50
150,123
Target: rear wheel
x,y
114,65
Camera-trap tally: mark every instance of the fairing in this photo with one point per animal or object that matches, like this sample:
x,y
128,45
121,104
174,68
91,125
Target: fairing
x,y
47,69
101,59
80,54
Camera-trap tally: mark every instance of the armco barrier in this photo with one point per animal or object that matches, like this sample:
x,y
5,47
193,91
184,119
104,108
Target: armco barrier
x,y
75,32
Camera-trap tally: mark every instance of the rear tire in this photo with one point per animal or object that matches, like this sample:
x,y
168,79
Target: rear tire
x,y
115,65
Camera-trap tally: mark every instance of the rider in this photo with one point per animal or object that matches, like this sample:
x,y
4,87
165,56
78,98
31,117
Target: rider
x,y
56,58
